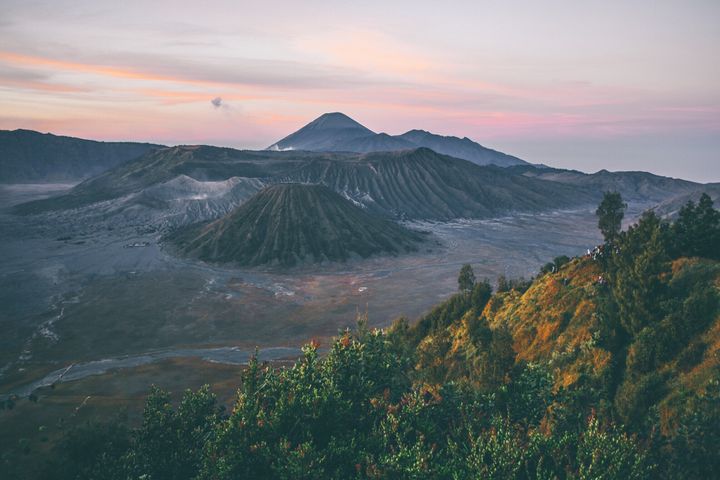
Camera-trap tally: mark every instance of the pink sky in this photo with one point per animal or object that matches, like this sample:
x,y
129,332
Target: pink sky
x,y
573,84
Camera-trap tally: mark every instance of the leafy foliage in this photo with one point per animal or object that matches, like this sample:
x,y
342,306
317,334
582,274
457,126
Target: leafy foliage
x,y
697,229
555,265
93,450
528,383
466,279
355,414
610,213
636,270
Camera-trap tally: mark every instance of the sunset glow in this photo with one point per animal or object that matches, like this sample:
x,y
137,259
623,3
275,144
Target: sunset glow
x,y
635,92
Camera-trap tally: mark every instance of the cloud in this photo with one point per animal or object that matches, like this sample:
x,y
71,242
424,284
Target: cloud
x,y
227,70
219,104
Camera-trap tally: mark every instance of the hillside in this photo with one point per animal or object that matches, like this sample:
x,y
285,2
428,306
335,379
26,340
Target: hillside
x,y
336,132
602,366
560,319
460,148
641,187
413,184
671,207
29,156
422,184
287,224
156,168
633,328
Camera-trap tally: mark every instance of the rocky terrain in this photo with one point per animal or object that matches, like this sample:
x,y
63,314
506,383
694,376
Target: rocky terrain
x,y
633,186
288,224
409,184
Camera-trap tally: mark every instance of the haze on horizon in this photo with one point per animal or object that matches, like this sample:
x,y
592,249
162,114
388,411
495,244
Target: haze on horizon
x,y
583,85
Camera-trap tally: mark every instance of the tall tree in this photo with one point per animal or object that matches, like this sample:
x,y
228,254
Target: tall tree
x,y
610,214
709,237
466,279
697,230
636,270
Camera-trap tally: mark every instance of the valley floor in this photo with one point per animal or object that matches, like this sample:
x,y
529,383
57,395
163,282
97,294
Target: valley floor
x,y
73,292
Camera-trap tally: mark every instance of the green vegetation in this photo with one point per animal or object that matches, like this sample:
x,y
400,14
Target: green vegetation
x,y
357,413
610,213
697,230
555,265
602,367
466,279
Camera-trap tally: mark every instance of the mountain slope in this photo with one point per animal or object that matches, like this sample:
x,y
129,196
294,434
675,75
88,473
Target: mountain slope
x,y
380,142
637,325
633,186
160,166
671,207
29,156
329,132
460,148
336,132
415,184
422,184
559,319
288,224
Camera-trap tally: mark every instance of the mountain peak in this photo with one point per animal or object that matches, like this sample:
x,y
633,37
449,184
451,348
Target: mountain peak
x,y
328,132
336,120
310,222
336,132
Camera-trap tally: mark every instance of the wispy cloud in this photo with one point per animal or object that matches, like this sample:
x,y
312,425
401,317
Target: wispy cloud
x,y
212,71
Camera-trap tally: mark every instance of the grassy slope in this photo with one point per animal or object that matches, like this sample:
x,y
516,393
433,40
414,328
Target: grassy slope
x,y
557,320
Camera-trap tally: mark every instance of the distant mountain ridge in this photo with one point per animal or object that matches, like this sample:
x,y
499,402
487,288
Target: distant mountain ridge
x,y
421,184
288,224
671,208
415,184
634,186
173,186
336,132
28,156
460,148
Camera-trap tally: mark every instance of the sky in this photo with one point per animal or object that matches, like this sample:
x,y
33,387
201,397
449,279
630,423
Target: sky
x,y
620,85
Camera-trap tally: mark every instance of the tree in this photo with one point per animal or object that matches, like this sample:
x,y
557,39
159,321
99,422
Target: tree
x,y
709,234
169,443
502,356
91,450
610,453
694,448
610,213
481,294
636,271
466,279
697,230
503,285
555,265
